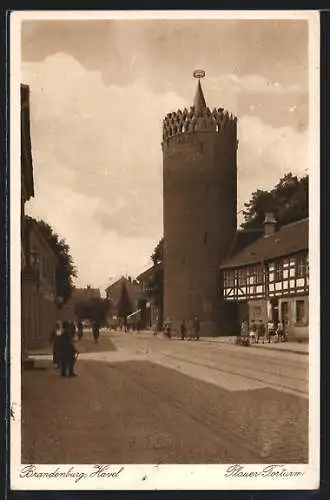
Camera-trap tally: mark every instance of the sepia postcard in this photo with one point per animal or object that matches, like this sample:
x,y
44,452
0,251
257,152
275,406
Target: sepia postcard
x,y
165,316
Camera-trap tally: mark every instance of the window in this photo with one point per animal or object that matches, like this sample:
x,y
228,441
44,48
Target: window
x,y
205,239
252,276
300,311
242,277
229,279
278,271
301,266
259,275
255,273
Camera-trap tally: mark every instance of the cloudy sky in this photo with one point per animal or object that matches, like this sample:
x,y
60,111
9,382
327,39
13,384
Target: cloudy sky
x,y
99,91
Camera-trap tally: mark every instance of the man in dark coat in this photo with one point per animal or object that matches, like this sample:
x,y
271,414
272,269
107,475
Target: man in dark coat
x,y
96,330
67,352
55,342
80,329
196,327
183,329
72,329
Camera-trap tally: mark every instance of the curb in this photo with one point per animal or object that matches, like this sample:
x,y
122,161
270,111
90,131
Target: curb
x,y
294,351
260,346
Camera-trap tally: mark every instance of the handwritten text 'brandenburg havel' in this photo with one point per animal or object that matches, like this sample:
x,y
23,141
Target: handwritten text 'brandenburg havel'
x,y
98,472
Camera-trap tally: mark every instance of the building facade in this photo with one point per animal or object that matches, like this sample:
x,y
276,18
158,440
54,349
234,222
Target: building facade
x,y
38,262
200,212
153,310
39,307
28,278
269,279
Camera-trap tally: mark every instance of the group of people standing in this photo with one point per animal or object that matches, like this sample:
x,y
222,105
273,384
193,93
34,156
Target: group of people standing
x,y
195,329
64,352
271,331
167,329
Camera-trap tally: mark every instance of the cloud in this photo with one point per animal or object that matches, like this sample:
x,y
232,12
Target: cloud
x,y
98,160
267,153
98,254
98,163
253,84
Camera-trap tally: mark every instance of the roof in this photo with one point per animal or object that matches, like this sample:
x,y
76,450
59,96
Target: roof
x,y
242,239
148,274
85,294
133,289
33,226
199,101
287,240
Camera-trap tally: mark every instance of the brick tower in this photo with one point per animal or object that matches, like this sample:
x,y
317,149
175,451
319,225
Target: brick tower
x,y
200,207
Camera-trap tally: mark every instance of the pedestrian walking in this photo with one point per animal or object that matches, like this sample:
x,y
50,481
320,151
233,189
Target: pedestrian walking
x,y
72,329
80,330
157,326
183,329
55,342
67,352
196,327
96,331
168,329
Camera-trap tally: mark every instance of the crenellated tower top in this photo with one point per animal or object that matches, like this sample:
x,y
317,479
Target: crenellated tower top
x,y
199,118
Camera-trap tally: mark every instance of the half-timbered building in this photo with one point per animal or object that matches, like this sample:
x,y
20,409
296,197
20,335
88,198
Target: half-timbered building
x,y
269,279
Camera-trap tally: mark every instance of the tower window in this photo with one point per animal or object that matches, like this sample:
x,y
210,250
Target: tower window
x,y
205,238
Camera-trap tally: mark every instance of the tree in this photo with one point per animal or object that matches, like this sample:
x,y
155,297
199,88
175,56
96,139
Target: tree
x,y
158,254
124,304
156,283
65,268
288,200
94,309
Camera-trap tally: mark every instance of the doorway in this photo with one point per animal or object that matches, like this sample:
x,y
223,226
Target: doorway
x,y
285,313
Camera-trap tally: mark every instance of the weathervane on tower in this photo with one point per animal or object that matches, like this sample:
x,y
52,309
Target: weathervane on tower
x,y
199,73
199,101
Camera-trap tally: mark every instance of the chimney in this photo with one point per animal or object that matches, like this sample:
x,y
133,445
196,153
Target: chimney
x,y
269,224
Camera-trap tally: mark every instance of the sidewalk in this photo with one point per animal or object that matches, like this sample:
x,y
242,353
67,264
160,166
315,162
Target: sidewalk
x,y
85,345
293,347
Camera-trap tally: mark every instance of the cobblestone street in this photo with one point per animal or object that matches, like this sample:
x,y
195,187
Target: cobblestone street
x,y
140,399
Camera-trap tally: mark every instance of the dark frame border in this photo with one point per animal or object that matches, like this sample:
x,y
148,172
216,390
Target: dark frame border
x,y
5,266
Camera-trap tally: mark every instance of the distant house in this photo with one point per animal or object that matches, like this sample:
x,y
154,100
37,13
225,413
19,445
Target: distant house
x,y
269,278
135,294
145,278
78,295
84,294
